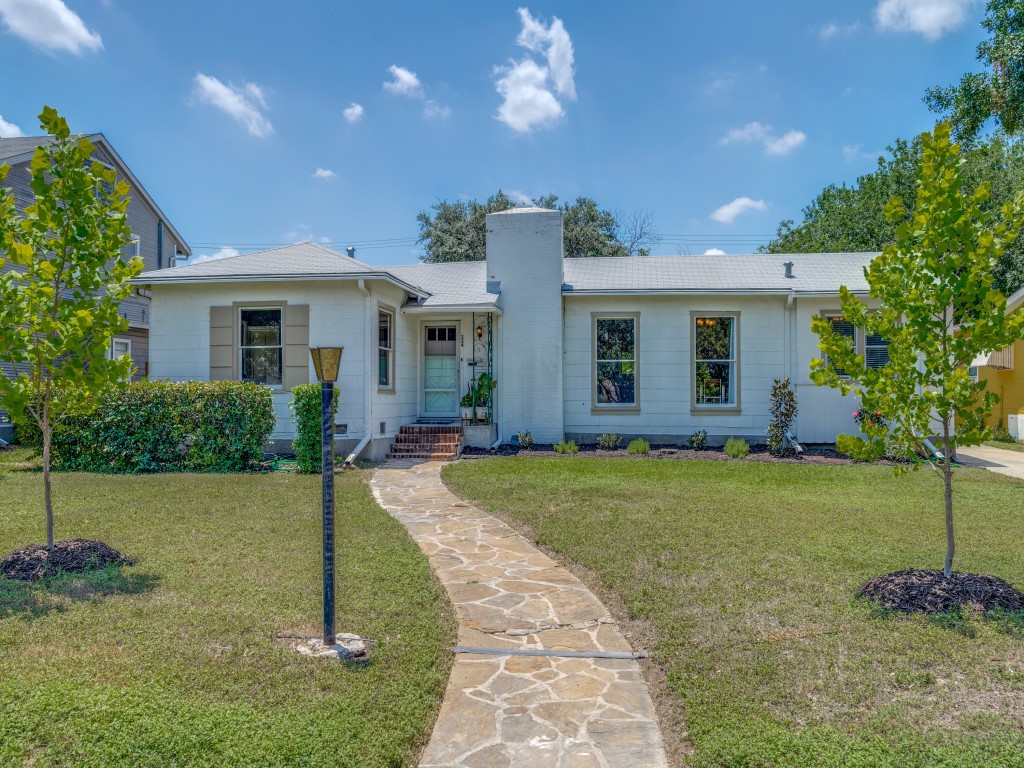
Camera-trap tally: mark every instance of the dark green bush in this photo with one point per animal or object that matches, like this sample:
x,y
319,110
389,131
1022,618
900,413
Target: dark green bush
x,y
159,426
699,440
608,442
305,407
568,447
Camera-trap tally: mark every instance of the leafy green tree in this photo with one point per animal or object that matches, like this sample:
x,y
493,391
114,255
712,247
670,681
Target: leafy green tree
x,y
938,310
59,299
996,93
457,231
854,218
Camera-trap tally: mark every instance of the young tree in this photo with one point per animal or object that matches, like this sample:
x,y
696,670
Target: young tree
x,y
59,298
939,311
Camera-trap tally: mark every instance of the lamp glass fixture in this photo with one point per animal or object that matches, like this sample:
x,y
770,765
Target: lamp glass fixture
x,y
326,362
479,331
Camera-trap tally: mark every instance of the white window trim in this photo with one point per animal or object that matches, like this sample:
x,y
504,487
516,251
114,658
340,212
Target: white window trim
x,y
121,340
735,388
242,347
393,335
598,407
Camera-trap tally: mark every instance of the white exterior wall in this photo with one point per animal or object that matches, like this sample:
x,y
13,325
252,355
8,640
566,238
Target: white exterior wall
x,y
338,315
524,253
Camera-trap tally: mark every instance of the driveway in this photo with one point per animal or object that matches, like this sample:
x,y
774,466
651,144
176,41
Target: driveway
x,y
995,459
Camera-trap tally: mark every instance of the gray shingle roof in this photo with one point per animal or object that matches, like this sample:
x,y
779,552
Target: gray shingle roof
x,y
812,273
464,284
13,147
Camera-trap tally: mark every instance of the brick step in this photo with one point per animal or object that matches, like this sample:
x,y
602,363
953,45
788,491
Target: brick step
x,y
415,429
424,448
426,456
432,439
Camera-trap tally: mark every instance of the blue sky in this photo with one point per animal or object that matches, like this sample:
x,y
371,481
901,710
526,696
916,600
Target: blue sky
x,y
719,118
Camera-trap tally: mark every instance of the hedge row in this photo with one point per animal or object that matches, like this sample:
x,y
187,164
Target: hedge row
x,y
155,426
306,403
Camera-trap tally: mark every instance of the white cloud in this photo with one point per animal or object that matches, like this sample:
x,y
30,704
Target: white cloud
x,y
714,252
721,84
834,29
763,134
728,213
431,110
354,112
405,82
50,25
931,18
529,89
223,253
9,130
324,173
244,104
520,197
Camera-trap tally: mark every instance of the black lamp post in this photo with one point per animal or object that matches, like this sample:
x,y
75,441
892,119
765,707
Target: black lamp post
x,y
326,361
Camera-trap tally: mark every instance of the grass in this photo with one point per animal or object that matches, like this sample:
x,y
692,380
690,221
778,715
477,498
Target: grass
x,y
745,575
174,661
1019,447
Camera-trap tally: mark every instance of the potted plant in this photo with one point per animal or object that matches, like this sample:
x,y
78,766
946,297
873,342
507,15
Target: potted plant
x,y
484,384
466,405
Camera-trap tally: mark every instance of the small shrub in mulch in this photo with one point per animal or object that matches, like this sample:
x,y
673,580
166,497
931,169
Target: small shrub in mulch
x,y
34,562
926,591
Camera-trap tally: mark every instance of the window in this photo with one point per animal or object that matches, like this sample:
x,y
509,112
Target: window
x,y
119,348
615,361
133,247
875,348
385,349
716,382
260,346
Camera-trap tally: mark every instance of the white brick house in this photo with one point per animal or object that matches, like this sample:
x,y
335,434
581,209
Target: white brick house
x,y
653,346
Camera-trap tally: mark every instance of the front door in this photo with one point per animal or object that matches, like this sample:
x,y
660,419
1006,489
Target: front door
x,y
440,371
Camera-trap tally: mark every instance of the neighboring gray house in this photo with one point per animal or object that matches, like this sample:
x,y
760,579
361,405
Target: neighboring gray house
x,y
154,238
651,346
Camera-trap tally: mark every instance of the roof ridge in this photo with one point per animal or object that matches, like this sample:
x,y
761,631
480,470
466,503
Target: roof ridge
x,y
353,259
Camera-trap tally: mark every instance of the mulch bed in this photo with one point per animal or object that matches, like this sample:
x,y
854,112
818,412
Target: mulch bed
x,y
813,455
34,562
926,591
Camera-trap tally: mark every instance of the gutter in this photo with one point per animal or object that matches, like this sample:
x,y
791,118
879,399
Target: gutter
x,y
144,280
441,308
367,413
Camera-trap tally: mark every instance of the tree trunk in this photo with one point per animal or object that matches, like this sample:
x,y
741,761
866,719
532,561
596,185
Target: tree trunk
x,y
947,479
47,495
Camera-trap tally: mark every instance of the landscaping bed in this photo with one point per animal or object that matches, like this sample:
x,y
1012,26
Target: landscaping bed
x,y
814,454
185,658
36,562
742,578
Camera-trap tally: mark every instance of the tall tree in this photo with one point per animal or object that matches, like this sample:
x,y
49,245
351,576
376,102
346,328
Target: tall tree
x,y
843,218
58,303
456,231
996,93
938,310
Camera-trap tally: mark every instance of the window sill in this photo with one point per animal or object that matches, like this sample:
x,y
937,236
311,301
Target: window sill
x,y
385,391
629,409
697,410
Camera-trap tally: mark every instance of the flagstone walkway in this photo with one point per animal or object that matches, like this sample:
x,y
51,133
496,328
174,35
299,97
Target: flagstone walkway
x,y
507,710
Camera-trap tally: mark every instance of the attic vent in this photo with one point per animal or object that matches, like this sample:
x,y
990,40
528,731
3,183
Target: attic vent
x,y
351,251
789,268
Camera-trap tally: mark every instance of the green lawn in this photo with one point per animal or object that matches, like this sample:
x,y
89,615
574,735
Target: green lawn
x,y
175,663
1019,447
746,574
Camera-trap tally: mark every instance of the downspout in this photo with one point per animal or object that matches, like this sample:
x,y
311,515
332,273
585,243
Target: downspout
x,y
160,244
361,283
790,354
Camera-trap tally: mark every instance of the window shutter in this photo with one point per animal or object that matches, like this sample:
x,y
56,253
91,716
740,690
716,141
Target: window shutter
x,y
222,344
296,345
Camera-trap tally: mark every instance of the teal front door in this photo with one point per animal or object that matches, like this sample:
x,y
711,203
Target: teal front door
x,y
440,371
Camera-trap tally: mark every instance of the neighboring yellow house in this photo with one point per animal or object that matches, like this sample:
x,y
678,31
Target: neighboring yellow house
x,y
1006,379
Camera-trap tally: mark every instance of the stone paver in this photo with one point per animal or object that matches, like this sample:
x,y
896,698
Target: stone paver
x,y
506,711
995,459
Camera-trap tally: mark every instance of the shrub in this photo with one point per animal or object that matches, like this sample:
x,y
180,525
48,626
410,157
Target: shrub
x,y
865,419
861,450
1000,435
567,447
308,443
639,447
699,440
782,407
608,442
161,426
736,447
525,440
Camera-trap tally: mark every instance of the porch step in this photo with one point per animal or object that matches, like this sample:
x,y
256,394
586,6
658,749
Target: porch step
x,y
427,441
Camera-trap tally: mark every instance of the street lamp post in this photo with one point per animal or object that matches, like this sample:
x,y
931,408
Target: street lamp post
x,y
326,361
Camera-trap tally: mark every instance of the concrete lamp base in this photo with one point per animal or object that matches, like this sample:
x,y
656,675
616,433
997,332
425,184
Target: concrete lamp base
x,y
346,647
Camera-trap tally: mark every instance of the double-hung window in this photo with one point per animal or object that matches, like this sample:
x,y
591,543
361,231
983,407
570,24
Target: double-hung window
x,y
615,361
716,382
261,345
872,346
385,349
